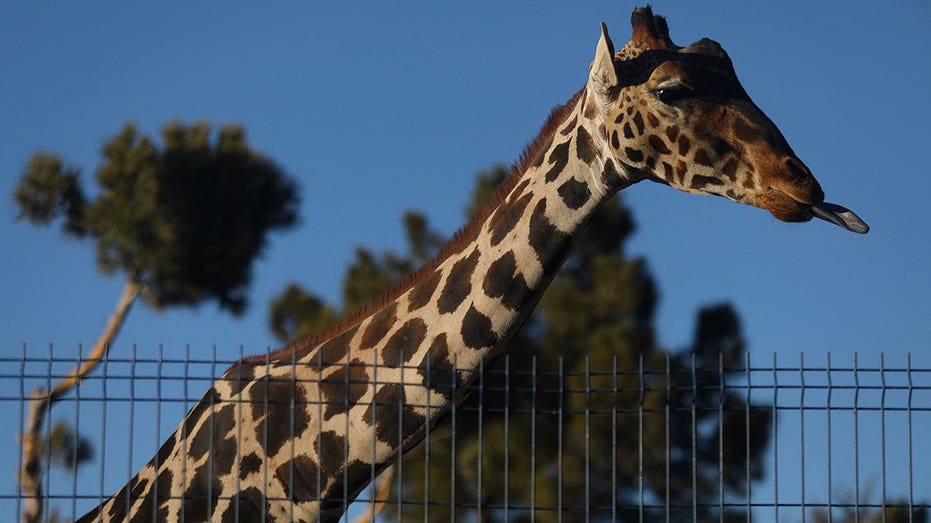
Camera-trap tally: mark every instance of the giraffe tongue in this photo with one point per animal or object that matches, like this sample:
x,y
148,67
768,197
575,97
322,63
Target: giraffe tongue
x,y
840,216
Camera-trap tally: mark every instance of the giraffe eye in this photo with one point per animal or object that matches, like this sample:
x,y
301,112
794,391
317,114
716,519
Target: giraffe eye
x,y
673,94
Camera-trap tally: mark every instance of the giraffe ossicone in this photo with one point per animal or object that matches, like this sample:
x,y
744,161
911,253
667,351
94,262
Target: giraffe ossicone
x,y
296,434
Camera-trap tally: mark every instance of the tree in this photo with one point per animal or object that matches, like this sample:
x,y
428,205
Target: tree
x,y
183,219
597,314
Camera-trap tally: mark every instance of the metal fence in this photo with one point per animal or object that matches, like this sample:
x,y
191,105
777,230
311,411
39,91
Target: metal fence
x,y
764,439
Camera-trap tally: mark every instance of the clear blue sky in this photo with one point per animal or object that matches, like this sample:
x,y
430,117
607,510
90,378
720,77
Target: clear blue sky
x,y
377,109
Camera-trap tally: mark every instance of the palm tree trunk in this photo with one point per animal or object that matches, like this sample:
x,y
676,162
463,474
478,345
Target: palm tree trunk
x,y
40,400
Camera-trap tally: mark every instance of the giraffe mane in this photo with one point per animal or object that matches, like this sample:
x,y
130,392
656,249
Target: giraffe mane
x,y
455,244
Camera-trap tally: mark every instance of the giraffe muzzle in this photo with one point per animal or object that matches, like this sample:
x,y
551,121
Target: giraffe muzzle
x,y
840,216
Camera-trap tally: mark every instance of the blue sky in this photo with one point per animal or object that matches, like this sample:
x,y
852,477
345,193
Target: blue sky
x,y
376,109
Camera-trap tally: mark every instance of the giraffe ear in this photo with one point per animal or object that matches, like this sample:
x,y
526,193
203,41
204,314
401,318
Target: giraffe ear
x,y
602,78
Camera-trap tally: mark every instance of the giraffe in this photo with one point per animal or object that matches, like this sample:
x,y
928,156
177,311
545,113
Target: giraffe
x,y
296,434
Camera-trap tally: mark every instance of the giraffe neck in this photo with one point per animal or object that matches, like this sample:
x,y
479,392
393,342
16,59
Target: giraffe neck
x,y
317,421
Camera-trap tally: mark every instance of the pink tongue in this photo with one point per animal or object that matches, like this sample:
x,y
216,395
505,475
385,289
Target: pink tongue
x,y
840,216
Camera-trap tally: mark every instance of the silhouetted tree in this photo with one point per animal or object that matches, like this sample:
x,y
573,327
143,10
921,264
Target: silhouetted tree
x,y
183,219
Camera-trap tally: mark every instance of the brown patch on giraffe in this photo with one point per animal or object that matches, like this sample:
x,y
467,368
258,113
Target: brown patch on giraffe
x,y
672,132
298,478
437,371
559,157
403,344
638,121
161,491
611,177
462,237
652,120
343,388
615,141
658,144
357,473
684,144
219,424
681,169
271,400
506,218
331,451
249,464
633,155
549,243
584,147
730,169
205,404
379,326
384,412
477,332
332,351
702,158
541,157
700,182
458,283
668,172
574,193
248,505
565,131
590,111
505,282
628,132
202,495
422,292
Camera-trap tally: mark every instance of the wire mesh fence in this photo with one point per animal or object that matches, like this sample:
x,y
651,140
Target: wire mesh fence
x,y
618,440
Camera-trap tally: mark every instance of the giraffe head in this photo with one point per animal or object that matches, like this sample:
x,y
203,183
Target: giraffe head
x,y
679,116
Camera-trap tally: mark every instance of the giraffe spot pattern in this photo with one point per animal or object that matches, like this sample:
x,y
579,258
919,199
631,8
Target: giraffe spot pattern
x,y
672,132
541,156
248,505
633,154
458,284
299,477
331,451
343,388
506,218
223,448
249,464
652,120
437,371
730,169
699,181
381,323
638,121
701,158
390,417
574,193
271,400
568,128
549,243
358,472
610,177
628,132
203,492
584,147
476,330
502,282
615,141
658,144
403,344
337,347
684,144
422,292
559,157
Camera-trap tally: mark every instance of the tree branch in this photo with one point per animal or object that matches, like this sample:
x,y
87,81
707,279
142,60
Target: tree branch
x,y
40,400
